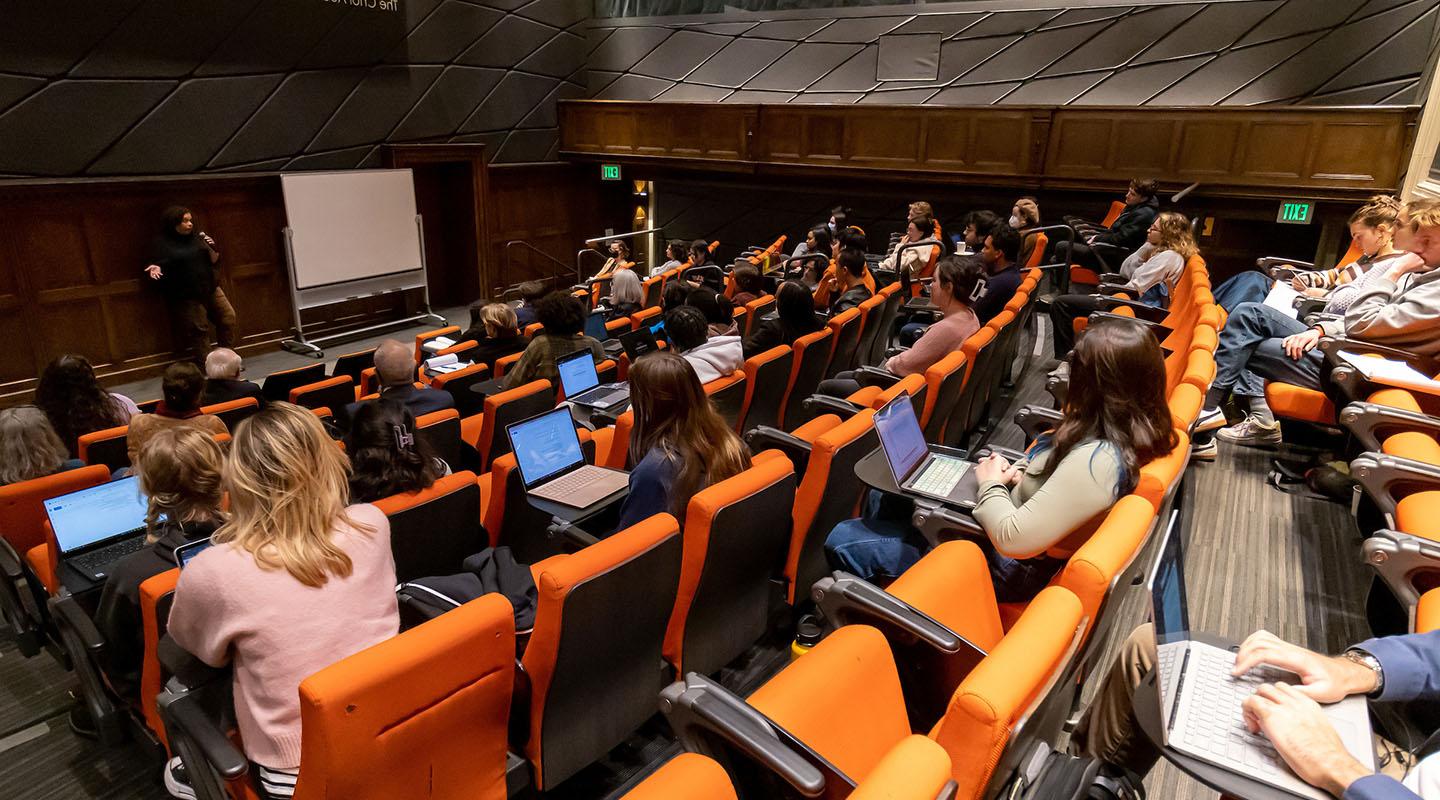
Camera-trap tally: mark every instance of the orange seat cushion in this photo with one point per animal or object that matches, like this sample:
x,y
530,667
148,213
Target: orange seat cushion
x,y
1419,515
1298,402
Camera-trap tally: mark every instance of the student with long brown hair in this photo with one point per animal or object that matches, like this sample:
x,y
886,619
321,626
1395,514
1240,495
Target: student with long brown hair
x,y
296,581
1036,512
680,441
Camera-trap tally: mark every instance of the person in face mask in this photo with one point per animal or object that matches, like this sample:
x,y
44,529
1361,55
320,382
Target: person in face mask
x,y
1024,218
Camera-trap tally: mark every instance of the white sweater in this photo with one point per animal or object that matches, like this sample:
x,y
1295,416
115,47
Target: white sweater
x,y
1149,266
717,358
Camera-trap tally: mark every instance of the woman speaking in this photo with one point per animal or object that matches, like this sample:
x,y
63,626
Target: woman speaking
x,y
183,260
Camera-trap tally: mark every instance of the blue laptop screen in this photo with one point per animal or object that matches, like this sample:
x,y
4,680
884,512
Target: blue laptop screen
x,y
577,373
545,445
595,326
93,515
900,436
1167,588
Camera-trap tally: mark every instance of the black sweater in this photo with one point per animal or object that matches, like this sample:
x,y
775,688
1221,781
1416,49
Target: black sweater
x,y
1129,229
187,272
772,333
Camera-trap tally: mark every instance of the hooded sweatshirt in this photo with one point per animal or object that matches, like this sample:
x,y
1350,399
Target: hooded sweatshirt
x,y
716,358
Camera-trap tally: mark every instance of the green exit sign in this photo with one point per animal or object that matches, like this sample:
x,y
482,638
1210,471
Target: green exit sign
x,y
1296,212
609,172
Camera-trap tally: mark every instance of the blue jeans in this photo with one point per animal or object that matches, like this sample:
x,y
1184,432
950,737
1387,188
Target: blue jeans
x,y
1247,287
1250,352
882,545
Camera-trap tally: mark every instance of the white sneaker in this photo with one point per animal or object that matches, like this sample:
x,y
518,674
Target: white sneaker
x,y
1210,419
177,781
1251,432
1208,451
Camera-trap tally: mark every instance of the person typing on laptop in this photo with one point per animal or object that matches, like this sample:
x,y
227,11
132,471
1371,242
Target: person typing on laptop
x,y
1036,513
683,443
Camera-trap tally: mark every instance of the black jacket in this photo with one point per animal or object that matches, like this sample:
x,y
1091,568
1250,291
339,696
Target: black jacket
x,y
771,333
999,288
1129,229
118,615
852,298
186,270
489,350
223,390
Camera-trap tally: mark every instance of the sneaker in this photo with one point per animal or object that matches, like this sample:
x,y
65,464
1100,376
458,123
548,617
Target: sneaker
x,y
1205,451
81,723
177,780
1251,432
1210,419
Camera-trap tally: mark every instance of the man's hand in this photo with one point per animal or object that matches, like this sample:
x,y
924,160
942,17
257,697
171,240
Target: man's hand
x,y
154,272
1324,679
1404,265
1301,343
1303,736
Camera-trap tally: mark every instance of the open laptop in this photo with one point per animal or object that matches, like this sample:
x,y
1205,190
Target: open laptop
x,y
595,325
97,527
638,343
552,465
581,382
1200,703
915,467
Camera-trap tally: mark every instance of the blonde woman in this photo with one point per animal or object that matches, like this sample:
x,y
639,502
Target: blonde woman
x,y
179,472
495,329
295,582
1024,218
29,446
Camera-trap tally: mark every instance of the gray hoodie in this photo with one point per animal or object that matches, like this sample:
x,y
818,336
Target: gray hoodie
x,y
1404,315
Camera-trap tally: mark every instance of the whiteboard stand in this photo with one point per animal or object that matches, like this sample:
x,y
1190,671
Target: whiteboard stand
x,y
301,345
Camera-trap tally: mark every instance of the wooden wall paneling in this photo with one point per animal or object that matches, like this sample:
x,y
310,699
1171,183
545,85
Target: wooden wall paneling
x,y
1079,146
1276,150
617,130
1208,149
949,141
1000,143
883,138
727,131
1142,146
824,136
1355,152
552,207
779,133
16,325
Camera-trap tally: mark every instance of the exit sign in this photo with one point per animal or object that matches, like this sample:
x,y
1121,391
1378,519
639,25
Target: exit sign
x,y
609,172
1296,212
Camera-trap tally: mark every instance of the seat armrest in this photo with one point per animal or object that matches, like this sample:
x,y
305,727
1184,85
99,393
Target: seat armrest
x,y
1385,478
1035,420
848,600
934,520
1108,254
764,437
1306,306
570,534
85,646
894,351
1369,422
1007,453
875,376
1114,277
1282,268
1332,345
10,564
195,724
1397,557
68,613
1142,311
1110,289
818,404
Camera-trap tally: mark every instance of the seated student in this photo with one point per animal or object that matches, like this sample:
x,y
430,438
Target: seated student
x,y
386,455
699,257
674,295
1390,669
1372,228
794,317
686,443
1126,233
1150,272
180,386
179,472
395,367
564,321
849,287
1035,513
295,582
978,225
1025,218
676,253
915,259
72,398
619,260
530,294
1003,268
718,309
1396,304
625,295
817,242
713,357
495,329
958,280
30,448
749,285
828,286
222,379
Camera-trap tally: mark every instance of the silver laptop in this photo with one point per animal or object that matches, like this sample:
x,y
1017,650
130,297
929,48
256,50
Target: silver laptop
x,y
581,383
915,467
97,527
1200,703
552,465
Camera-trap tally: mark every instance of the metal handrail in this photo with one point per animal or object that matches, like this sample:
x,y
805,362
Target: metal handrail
x,y
590,243
528,246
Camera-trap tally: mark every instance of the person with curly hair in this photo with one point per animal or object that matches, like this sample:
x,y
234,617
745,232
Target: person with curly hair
x,y
71,396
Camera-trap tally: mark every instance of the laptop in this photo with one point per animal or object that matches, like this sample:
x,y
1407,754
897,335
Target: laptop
x,y
595,325
581,383
552,465
97,527
917,470
638,343
1200,703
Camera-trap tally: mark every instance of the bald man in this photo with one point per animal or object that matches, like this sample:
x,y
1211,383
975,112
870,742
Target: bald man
x,y
395,367
222,378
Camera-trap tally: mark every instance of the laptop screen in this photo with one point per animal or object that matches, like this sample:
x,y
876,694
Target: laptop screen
x,y
595,326
900,436
93,515
545,445
1167,588
577,373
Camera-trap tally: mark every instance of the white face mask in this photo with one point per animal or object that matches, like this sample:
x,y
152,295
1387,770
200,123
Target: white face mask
x,y
1016,222
831,226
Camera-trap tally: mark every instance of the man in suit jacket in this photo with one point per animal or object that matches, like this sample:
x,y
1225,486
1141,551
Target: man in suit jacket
x,y
222,378
395,367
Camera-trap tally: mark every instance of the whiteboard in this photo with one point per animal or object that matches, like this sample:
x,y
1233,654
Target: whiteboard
x,y
352,225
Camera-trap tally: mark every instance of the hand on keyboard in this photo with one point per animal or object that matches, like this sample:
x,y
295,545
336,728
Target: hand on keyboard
x,y
1321,678
1303,736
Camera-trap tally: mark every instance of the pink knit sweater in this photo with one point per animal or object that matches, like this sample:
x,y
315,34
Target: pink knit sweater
x,y
939,340
278,631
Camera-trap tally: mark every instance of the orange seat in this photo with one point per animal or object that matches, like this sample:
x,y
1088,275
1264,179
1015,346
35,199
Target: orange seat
x,y
765,377
846,325
108,448
433,530
422,338
829,493
688,776
807,369
330,393
486,431
1299,403
233,412
277,385
1427,615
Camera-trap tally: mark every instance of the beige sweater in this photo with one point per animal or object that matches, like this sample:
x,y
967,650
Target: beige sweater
x,y
1037,514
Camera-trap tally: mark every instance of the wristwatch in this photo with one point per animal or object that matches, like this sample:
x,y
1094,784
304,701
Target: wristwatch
x,y
1365,659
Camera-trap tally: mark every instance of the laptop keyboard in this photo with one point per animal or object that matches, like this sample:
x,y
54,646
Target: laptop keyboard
x,y
940,476
602,399
583,487
97,562
1215,722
